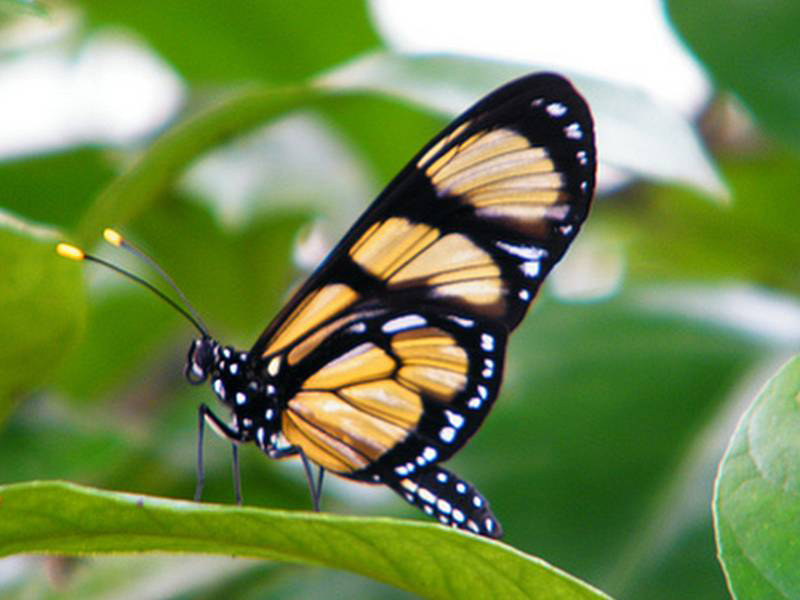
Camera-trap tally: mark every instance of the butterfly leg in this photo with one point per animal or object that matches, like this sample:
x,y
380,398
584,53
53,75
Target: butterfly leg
x,y
448,498
205,415
314,488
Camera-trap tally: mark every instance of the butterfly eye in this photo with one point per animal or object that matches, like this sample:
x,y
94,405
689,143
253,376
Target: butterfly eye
x,y
199,361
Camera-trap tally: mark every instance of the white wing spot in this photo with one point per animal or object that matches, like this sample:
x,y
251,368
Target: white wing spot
x,y
474,403
447,434
426,495
531,268
441,477
358,328
269,414
524,295
581,156
556,109
403,323
527,252
461,487
234,368
487,342
430,453
477,501
483,392
573,131
455,419
443,506
240,398
458,516
461,321
401,470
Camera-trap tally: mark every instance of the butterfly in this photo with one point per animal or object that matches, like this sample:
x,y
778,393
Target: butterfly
x,y
389,357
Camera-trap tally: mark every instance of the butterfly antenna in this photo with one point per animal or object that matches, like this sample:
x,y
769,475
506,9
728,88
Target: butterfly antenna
x,y
115,239
74,253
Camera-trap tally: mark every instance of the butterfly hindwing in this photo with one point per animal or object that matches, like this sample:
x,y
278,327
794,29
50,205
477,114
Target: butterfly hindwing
x,y
393,391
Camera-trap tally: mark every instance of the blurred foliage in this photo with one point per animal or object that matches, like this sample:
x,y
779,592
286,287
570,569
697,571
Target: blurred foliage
x,y
751,49
601,454
756,511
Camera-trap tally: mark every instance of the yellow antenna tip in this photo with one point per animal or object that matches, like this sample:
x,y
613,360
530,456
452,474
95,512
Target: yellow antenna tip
x,y
112,237
69,251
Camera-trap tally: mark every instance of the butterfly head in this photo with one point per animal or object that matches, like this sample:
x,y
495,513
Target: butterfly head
x,y
203,354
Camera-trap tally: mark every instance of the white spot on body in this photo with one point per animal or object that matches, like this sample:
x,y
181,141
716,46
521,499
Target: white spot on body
x,y
403,323
274,366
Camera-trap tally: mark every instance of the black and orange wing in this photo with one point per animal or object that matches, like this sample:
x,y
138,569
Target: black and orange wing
x,y
391,353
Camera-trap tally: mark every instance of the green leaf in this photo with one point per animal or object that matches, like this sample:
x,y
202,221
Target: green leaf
x,y
637,134
215,42
753,49
42,307
423,558
757,499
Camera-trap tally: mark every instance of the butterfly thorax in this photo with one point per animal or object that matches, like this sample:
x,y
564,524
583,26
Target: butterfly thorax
x,y
247,391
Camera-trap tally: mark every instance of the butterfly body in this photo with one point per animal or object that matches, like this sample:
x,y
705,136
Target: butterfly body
x,y
390,356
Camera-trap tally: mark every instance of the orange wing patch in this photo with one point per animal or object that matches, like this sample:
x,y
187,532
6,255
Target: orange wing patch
x,y
313,310
504,178
433,363
387,245
387,400
351,412
368,436
363,363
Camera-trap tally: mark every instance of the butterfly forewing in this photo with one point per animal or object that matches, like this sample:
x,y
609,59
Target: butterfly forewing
x,y
392,352
474,222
